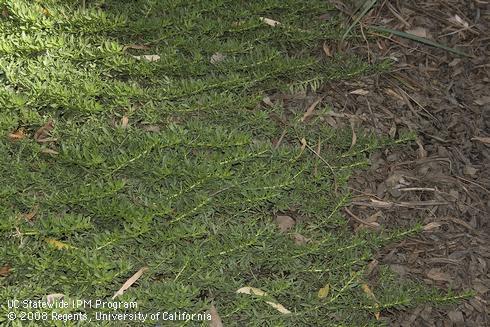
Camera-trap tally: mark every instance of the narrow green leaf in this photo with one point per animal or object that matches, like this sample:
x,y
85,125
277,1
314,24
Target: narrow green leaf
x,y
419,39
368,5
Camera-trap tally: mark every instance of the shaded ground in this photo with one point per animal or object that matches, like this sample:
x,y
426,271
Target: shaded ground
x,y
445,178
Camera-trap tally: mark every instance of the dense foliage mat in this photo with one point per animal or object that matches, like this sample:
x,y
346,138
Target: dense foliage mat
x,y
132,136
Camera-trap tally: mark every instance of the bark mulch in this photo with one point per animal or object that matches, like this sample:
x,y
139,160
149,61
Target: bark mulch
x,y
444,178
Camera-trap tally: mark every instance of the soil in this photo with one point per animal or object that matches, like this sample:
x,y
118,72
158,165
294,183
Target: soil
x,y
443,180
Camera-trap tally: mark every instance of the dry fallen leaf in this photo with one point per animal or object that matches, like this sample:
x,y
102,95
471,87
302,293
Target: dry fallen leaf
x,y
49,151
59,245
303,144
270,22
311,108
323,292
5,271
458,20
17,135
359,92
422,153
215,318
30,215
251,290
43,132
300,239
431,226
327,50
268,101
371,266
284,223
279,307
53,297
259,292
418,31
367,290
483,101
150,58
130,282
217,58
485,140
151,128
124,121
354,136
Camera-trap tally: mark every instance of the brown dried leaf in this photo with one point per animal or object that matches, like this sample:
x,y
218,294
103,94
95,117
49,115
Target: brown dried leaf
x,y
483,100
30,215
124,122
370,294
354,136
285,223
422,153
130,282
49,151
51,298
251,290
469,170
58,244
149,58
151,128
418,31
268,101
431,226
371,266
485,140
17,135
279,307
327,50
300,239
259,292
215,318
311,108
217,58
44,131
303,144
323,292
269,21
5,271
359,92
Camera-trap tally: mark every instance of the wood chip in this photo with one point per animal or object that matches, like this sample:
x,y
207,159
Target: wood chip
x,y
438,275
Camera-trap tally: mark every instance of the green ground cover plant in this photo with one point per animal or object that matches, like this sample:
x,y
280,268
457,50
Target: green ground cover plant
x,y
133,134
